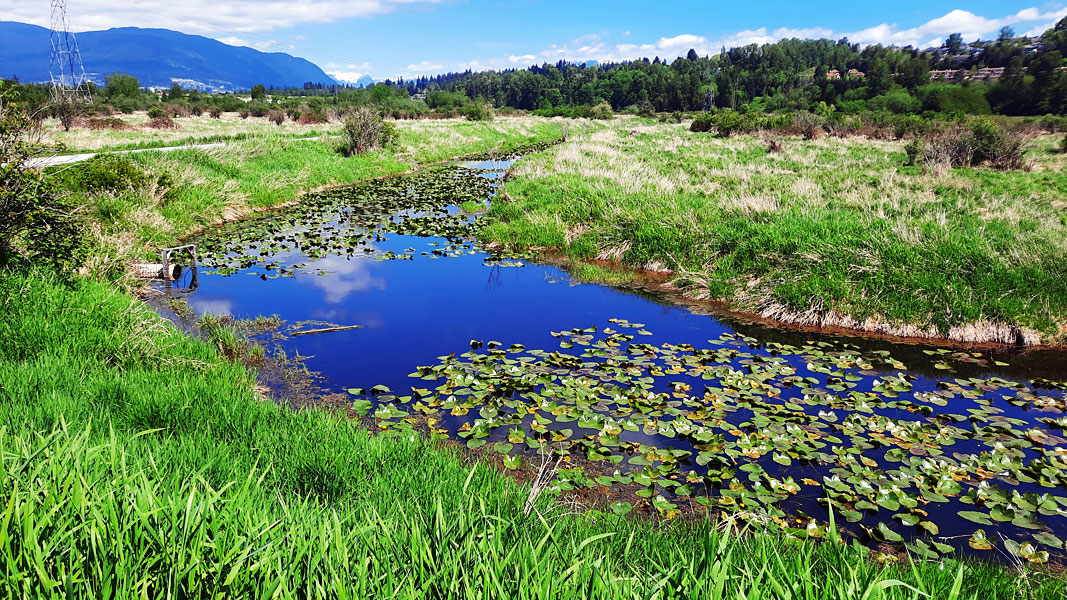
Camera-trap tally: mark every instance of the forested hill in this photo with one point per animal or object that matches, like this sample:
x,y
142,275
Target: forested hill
x,y
1009,75
156,57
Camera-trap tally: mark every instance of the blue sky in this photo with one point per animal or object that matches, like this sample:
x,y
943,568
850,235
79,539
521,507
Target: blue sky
x,y
390,38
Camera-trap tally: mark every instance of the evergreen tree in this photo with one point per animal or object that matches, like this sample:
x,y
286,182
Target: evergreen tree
x,y
954,43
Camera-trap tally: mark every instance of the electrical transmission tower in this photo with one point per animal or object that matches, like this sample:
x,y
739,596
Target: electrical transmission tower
x,y
66,68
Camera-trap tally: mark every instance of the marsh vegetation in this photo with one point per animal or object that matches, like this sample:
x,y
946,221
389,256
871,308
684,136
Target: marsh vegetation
x,y
160,471
827,232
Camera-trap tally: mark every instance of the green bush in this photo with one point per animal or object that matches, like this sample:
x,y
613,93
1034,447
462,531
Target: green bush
x,y
984,142
365,130
908,125
601,112
702,124
105,173
38,225
914,151
993,144
730,122
898,102
258,109
156,112
954,98
479,110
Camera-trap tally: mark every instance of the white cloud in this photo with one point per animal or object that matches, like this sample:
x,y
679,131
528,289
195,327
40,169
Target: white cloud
x,y
210,306
204,17
592,47
363,66
263,45
344,277
970,25
346,76
424,68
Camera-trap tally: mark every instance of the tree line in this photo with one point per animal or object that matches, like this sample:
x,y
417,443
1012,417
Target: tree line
x,y
791,74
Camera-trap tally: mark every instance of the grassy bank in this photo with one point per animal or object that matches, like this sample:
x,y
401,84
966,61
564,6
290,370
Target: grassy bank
x,y
137,461
824,232
190,189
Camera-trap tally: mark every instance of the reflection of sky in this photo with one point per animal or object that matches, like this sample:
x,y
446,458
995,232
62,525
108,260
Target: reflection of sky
x,y
343,277
434,306
210,305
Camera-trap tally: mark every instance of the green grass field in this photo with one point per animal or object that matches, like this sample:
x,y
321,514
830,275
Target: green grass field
x,y
825,232
138,461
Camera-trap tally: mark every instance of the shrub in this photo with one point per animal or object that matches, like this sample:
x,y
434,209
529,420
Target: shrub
x,y
908,125
164,122
843,125
107,123
993,144
245,114
702,124
1063,145
645,109
809,124
899,102
311,118
67,112
914,151
215,112
955,98
601,112
1054,124
951,148
277,117
39,226
729,122
106,173
985,142
156,112
364,130
479,110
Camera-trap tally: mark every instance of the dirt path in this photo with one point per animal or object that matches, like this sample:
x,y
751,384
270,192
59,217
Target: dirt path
x,y
43,162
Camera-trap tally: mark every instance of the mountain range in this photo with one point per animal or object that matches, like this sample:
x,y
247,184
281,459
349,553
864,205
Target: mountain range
x,y
157,58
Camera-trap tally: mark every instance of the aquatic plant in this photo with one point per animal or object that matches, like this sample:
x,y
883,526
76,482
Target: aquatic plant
x,y
154,474
766,433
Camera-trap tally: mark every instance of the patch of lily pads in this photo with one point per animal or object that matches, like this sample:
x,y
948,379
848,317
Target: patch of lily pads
x,y
350,221
755,430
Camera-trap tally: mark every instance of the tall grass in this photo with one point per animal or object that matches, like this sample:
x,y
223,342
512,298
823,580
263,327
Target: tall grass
x,y
137,462
823,232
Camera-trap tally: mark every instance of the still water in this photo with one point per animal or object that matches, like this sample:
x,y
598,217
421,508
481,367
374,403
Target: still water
x,y
657,406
